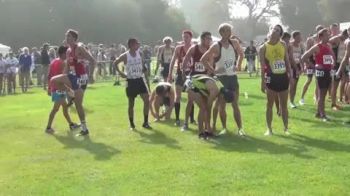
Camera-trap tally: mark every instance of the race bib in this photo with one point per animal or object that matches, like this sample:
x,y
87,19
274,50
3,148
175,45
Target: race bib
x,y
328,60
228,65
83,79
199,67
309,71
319,73
279,67
296,57
72,70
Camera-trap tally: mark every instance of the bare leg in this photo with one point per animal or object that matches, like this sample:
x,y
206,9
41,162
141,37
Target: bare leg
x,y
271,95
283,97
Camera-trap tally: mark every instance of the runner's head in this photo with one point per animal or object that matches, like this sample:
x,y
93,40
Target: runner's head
x,y
133,44
225,30
319,28
296,36
206,39
187,36
167,41
324,35
161,90
276,32
335,30
71,36
286,37
62,50
345,34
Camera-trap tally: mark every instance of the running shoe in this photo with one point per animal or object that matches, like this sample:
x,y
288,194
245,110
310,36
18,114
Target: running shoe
x,y
184,127
73,126
177,123
302,102
146,126
286,132
241,132
292,105
83,133
268,133
49,131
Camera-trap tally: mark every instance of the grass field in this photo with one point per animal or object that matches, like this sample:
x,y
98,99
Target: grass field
x,y
314,160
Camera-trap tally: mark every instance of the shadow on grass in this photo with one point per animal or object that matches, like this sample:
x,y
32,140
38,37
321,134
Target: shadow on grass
x,y
99,150
74,110
327,145
157,138
250,144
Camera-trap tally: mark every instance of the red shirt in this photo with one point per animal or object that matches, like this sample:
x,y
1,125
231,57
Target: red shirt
x,y
56,68
74,62
325,57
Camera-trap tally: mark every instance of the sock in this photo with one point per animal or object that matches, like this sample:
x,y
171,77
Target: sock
x,y
192,114
145,119
131,120
177,110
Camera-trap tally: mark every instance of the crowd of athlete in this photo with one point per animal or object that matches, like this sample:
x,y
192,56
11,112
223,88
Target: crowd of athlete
x,y
207,72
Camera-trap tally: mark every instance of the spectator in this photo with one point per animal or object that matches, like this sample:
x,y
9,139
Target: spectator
x,y
52,54
36,61
2,73
101,62
25,62
112,53
250,54
45,61
12,64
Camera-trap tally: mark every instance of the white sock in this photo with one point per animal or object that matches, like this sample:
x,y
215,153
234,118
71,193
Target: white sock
x,y
83,125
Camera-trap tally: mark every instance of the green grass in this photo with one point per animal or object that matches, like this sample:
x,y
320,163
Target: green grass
x,y
314,160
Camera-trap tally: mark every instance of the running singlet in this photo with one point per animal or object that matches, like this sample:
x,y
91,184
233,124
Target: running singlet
x,y
275,55
324,58
76,66
167,55
133,68
297,53
55,69
226,66
197,66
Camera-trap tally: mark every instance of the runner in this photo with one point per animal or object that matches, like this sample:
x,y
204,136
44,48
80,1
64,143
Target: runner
x,y
194,54
162,95
275,74
324,59
179,54
58,93
309,71
75,74
135,74
205,90
165,53
297,50
227,55
344,65
338,44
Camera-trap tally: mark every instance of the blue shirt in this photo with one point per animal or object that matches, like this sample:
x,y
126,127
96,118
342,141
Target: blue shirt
x,y
25,61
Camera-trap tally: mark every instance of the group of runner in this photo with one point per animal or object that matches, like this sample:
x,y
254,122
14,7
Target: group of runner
x,y
207,72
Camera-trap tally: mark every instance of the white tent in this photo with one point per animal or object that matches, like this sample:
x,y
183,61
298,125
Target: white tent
x,y
4,49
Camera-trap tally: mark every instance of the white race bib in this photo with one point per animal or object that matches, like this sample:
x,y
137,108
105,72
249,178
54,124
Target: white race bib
x,y
309,71
319,73
279,67
83,79
328,60
228,65
199,67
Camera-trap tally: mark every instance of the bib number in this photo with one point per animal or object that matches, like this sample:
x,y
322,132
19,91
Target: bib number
x,y
199,67
319,73
228,65
309,71
82,80
328,60
279,67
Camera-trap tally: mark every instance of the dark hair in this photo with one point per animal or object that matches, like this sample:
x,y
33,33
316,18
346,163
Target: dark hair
x,y
286,35
160,90
73,33
334,25
132,41
188,32
204,34
62,50
319,28
345,33
295,34
321,32
281,28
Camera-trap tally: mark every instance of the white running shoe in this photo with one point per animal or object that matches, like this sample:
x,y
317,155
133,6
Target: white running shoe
x,y
292,105
223,132
241,132
302,102
268,133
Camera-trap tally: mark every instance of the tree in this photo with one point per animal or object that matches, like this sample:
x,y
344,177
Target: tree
x,y
301,15
335,10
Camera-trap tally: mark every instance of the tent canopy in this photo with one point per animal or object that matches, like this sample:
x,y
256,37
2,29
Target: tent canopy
x,y
4,49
